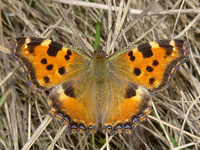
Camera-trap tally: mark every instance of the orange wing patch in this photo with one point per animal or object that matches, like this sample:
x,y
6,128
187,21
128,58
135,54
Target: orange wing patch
x,y
133,110
77,110
65,105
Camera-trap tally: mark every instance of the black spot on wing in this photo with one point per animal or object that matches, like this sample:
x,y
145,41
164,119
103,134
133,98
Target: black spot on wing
x,y
46,79
149,69
130,90
70,92
130,53
69,53
49,67
151,80
155,63
145,49
137,71
54,48
34,43
130,93
166,45
132,58
44,61
61,70
67,57
68,89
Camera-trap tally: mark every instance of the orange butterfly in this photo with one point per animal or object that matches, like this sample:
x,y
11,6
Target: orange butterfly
x,y
109,91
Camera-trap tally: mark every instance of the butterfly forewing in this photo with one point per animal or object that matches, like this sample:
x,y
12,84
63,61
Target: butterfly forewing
x,y
47,63
151,65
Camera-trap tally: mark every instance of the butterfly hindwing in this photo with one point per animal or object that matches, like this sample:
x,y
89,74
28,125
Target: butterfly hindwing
x,y
75,106
127,106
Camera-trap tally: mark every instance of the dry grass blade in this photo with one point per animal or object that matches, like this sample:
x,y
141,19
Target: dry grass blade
x,y
174,122
57,137
9,75
132,11
37,133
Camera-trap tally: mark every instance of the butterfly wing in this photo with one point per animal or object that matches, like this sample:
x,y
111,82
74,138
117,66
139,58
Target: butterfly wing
x,y
151,65
132,71
47,63
126,106
74,103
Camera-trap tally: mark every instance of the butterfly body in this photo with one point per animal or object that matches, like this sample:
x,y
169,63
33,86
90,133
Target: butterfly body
x,y
109,91
99,70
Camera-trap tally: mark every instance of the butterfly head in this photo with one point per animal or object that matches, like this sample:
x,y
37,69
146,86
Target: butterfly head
x,y
99,53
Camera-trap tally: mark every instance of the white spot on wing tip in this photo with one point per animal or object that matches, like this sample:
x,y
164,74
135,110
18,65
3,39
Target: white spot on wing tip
x,y
46,42
172,43
28,40
154,44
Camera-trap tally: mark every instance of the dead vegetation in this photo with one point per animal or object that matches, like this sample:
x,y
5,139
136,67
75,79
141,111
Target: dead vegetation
x,y
175,120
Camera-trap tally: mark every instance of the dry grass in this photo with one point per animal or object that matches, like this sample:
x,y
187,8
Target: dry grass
x,y
24,113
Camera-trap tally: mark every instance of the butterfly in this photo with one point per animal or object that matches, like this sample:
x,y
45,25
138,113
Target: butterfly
x,y
108,91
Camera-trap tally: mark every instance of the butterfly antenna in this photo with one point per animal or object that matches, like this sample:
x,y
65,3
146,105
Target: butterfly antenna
x,y
109,35
111,28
